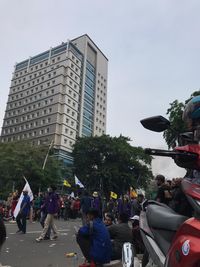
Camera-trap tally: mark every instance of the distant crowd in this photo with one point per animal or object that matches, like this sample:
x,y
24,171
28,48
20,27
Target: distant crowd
x,y
110,222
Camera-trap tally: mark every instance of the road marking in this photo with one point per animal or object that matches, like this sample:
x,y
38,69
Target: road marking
x,y
36,232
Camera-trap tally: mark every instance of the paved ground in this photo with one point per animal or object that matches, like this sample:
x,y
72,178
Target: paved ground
x,y
23,251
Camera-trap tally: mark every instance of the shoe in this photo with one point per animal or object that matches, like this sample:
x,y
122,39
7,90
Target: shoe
x,y
46,238
54,237
39,239
18,231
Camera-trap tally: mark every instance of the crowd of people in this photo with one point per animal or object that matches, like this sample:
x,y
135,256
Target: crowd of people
x,y
107,225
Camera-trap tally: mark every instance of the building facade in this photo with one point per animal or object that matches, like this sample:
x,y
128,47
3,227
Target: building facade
x,y
57,96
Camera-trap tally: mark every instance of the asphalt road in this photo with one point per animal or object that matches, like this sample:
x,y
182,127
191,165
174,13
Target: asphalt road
x,y
21,250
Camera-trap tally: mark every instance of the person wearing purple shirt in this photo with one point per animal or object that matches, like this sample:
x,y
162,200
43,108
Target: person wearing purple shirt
x,y
52,206
96,203
124,206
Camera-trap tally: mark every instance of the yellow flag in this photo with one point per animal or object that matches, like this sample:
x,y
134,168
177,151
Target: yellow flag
x,y
113,195
66,183
133,193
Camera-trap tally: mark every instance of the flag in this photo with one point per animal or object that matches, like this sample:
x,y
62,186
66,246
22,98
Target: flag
x,y
133,193
77,182
66,183
113,195
28,189
72,195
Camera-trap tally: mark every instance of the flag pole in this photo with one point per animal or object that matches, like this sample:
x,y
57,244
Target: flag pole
x,y
46,157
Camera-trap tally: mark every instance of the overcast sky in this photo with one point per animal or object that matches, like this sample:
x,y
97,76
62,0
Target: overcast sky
x,y
152,47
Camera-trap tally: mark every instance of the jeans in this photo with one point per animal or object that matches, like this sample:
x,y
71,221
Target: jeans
x,y
21,222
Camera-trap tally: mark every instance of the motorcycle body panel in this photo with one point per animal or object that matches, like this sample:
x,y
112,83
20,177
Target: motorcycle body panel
x,y
185,248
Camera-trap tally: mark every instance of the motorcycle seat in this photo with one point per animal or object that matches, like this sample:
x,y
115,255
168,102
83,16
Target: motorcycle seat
x,y
161,216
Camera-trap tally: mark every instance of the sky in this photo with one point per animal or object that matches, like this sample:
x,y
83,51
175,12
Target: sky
x,y
152,47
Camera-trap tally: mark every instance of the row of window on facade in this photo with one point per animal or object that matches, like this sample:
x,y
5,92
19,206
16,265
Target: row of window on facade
x,y
37,74
32,91
41,79
26,127
100,76
100,130
74,68
37,114
38,66
26,118
101,99
103,93
68,131
68,142
100,122
25,136
100,114
30,100
71,83
44,64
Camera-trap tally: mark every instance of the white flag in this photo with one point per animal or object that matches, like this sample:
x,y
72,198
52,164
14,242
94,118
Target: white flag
x,y
28,189
72,195
77,182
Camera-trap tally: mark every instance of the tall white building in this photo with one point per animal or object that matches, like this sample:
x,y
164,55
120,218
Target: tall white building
x,y
57,96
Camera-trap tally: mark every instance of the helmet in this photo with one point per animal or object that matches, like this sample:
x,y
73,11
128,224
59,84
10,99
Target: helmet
x,y
191,114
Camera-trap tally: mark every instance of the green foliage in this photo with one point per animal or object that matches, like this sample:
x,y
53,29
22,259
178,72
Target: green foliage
x,y
110,164
175,113
22,159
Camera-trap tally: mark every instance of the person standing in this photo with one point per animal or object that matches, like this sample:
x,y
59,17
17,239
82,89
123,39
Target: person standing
x,y
23,213
96,203
52,206
86,202
164,194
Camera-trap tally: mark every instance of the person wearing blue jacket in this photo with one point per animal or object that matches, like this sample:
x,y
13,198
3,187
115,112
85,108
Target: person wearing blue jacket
x,y
23,213
94,239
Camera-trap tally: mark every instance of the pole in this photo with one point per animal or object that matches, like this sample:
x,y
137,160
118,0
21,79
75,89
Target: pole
x,y
13,187
46,157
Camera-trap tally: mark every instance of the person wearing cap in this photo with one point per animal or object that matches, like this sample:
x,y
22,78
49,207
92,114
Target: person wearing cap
x,y
23,213
137,203
96,203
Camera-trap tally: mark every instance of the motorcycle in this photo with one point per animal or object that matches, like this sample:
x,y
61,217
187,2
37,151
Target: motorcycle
x,y
171,239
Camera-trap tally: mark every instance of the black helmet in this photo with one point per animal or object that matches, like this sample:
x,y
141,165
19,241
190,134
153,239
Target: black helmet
x,y
191,114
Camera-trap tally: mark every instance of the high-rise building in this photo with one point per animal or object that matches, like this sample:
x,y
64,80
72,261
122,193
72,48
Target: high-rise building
x,y
57,96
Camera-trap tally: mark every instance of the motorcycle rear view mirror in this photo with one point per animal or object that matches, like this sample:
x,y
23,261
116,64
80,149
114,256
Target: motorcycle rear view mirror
x,y
156,123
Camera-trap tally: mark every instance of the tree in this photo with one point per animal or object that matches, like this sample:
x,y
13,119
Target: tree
x,y
22,159
110,164
178,126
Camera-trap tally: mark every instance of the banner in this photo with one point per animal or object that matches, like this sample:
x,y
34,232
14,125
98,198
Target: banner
x,y
28,189
66,183
113,195
77,182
